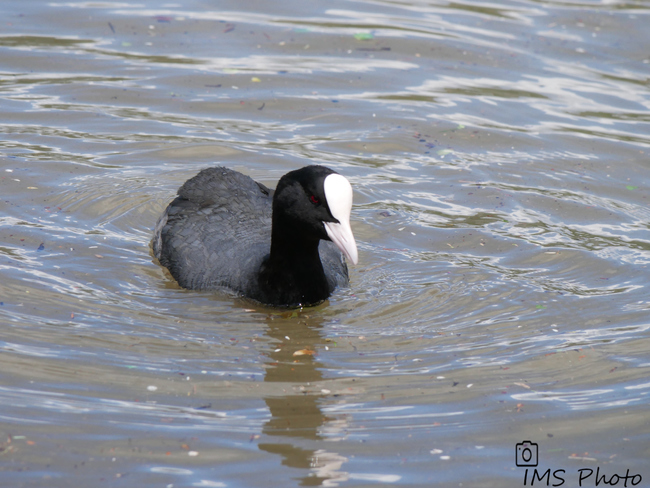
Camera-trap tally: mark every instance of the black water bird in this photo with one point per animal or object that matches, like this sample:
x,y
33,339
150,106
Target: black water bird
x,y
281,247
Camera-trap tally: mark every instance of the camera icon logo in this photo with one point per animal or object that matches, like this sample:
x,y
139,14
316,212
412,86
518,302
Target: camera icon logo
x,y
526,454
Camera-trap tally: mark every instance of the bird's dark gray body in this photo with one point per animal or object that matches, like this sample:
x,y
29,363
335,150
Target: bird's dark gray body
x,y
217,233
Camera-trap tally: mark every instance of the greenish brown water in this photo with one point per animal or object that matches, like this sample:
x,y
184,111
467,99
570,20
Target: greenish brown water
x,y
499,156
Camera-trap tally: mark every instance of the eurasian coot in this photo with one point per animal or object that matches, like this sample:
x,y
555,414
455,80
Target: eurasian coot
x,y
282,247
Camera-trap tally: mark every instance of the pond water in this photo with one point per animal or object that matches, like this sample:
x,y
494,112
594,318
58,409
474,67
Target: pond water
x,y
499,153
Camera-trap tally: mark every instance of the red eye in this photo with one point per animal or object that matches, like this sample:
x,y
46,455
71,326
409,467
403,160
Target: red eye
x,y
313,199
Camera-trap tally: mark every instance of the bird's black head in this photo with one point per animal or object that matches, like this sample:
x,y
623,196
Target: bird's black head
x,y
314,203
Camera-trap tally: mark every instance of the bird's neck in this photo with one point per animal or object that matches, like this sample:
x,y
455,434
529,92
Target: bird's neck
x,y
293,272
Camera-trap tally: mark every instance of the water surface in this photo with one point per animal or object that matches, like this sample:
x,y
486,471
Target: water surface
x,y
499,156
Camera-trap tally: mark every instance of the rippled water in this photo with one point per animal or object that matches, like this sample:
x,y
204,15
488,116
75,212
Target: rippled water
x,y
499,155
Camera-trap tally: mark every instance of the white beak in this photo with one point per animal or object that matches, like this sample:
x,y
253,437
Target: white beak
x,y
338,193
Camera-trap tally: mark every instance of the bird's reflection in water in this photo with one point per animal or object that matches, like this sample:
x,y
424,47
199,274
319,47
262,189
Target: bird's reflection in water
x,y
296,416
